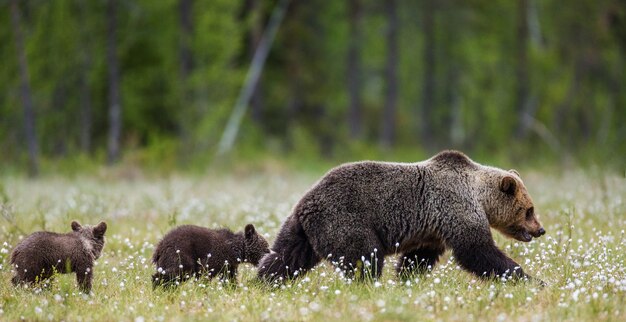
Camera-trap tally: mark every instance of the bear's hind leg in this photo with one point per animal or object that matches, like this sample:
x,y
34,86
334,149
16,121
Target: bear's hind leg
x,y
360,257
419,260
173,269
167,280
157,280
292,254
16,280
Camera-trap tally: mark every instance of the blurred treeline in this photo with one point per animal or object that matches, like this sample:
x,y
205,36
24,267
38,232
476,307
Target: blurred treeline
x,y
157,80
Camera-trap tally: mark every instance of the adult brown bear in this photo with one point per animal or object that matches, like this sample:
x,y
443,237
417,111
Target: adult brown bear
x,y
360,212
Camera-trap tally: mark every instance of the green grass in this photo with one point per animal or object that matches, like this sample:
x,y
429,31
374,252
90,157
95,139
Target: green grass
x,y
582,257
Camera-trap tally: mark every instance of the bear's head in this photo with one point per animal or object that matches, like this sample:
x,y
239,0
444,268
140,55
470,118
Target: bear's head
x,y
256,245
511,210
92,237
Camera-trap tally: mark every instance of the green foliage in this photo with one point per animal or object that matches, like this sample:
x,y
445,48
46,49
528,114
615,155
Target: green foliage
x,y
576,58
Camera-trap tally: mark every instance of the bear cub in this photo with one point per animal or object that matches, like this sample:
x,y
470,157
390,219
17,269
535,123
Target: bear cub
x,y
190,250
42,254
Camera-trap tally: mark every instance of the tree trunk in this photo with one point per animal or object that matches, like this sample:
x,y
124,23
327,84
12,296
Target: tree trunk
x,y
186,35
428,87
453,98
522,99
189,109
391,75
85,110
59,115
115,107
292,70
86,116
256,32
564,110
25,93
354,68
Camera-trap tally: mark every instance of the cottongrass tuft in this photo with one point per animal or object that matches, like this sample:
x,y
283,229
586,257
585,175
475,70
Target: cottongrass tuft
x,y
582,258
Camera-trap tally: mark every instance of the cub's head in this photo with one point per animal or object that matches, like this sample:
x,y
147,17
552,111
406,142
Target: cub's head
x,y
256,245
511,210
92,237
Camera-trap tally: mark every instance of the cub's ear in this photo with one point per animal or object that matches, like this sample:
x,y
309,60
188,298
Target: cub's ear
x,y
100,229
250,231
76,226
513,171
508,185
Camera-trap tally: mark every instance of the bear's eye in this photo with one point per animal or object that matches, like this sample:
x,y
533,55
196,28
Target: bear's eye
x,y
530,212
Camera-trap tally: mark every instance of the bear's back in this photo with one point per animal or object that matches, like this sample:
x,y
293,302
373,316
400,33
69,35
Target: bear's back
x,y
362,189
369,174
197,241
45,246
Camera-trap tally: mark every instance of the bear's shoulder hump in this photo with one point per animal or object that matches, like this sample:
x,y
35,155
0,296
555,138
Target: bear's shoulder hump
x,y
452,157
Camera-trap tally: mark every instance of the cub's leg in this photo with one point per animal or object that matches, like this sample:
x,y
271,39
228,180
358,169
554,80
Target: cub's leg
x,y
84,278
33,277
15,280
177,266
419,260
229,275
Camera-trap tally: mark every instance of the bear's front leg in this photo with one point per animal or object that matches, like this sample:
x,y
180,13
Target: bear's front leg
x,y
470,238
229,274
488,261
484,259
84,277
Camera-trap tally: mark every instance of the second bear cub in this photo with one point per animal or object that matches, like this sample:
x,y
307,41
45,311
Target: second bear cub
x,y
190,250
42,254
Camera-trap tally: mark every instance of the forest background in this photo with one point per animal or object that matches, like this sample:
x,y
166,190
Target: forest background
x,y
152,84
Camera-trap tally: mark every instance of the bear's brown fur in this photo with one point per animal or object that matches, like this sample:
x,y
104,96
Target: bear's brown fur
x,y
42,254
189,250
360,212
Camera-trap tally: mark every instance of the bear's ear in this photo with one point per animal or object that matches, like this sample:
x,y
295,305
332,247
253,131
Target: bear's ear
x,y
508,185
513,171
250,231
100,229
76,226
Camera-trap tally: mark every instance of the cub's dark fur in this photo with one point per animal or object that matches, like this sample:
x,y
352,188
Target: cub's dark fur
x,y
360,212
189,250
44,253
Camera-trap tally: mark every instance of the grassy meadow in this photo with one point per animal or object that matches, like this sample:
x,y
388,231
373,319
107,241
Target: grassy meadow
x,y
582,257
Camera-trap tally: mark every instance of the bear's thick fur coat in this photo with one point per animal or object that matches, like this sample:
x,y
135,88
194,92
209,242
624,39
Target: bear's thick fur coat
x,y
192,251
360,212
42,254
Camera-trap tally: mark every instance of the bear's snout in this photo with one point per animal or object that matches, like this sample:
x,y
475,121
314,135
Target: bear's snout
x,y
540,232
524,234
